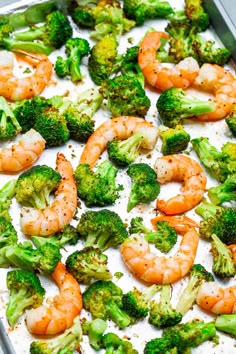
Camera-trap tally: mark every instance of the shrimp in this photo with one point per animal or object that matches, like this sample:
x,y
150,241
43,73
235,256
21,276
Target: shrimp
x,y
15,88
117,128
147,266
232,248
181,223
63,309
181,75
183,169
222,83
45,222
215,299
23,154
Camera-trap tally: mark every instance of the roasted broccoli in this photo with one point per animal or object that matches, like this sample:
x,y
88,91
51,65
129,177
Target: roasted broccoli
x,y
7,192
225,192
161,313
164,237
174,140
231,120
94,329
197,275
103,229
9,125
136,302
76,49
125,96
145,187
129,64
174,105
64,343
123,152
223,263
97,188
113,344
103,299
34,186
196,14
226,323
25,292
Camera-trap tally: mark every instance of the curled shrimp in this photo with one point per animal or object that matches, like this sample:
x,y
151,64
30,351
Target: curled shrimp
x,y
15,88
180,168
181,223
117,128
63,309
222,83
218,300
147,266
22,154
181,75
45,222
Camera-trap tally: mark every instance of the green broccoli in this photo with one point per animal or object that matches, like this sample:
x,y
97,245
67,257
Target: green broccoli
x,y
34,186
141,11
225,192
64,343
197,14
103,229
25,292
97,188
103,299
174,140
129,64
197,275
223,263
145,187
164,238
162,314
76,49
88,264
7,192
113,344
219,163
94,329
9,125
125,96
123,152
226,323
174,105
231,121
217,220
136,302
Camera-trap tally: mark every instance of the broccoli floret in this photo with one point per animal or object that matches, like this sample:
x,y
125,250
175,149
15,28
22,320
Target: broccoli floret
x,y
164,238
34,186
160,345
64,343
103,229
196,14
174,140
125,96
83,16
145,187
223,263
136,302
226,323
129,65
7,192
174,105
141,11
103,299
76,49
123,152
94,329
88,264
217,220
9,125
25,292
162,314
225,192
231,120
197,275
113,344
97,188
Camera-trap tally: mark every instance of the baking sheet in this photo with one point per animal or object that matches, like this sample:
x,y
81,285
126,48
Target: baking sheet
x,y
217,133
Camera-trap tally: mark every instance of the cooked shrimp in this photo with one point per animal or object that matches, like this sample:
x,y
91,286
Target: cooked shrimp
x,y
149,267
181,223
18,88
44,222
181,75
22,154
232,248
65,306
180,168
222,83
215,299
117,128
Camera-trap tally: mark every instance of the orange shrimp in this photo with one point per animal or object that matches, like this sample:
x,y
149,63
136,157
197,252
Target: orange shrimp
x,y
63,309
180,168
117,128
22,154
181,75
15,88
147,266
232,248
222,83
217,300
181,223
45,222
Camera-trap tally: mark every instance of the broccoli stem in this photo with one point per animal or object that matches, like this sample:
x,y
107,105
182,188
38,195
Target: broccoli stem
x,y
7,191
226,323
206,209
117,315
30,35
193,107
18,302
32,47
95,332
